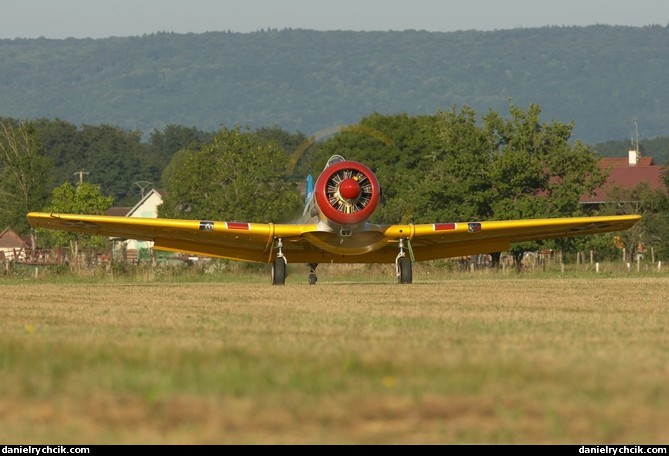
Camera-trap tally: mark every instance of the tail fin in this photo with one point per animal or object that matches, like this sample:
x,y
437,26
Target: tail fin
x,y
308,194
309,190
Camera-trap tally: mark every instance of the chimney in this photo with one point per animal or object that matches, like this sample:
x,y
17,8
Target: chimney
x,y
633,157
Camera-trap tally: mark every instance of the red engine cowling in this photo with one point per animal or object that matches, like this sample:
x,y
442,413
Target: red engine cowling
x,y
347,193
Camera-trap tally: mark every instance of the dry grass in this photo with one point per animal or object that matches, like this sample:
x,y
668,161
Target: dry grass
x,y
476,359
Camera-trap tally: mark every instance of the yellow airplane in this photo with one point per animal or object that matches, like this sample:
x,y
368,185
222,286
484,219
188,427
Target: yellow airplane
x,y
334,228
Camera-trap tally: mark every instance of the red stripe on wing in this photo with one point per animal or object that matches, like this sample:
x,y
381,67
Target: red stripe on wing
x,y
237,226
445,226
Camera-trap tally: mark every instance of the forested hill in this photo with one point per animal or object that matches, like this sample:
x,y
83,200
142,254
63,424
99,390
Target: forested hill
x,y
600,77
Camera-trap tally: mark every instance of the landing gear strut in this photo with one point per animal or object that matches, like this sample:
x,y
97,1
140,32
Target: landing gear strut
x,y
403,266
312,273
279,266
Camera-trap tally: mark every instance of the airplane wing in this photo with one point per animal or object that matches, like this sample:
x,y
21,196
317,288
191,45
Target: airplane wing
x,y
445,240
234,240
310,243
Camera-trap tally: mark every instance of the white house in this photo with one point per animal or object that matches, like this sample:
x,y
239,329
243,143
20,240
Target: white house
x,y
129,249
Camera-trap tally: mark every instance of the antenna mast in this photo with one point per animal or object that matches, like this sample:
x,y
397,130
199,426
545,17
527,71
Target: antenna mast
x,y
633,153
143,185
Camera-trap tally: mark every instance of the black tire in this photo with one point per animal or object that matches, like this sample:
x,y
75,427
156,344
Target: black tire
x,y
406,274
312,279
279,272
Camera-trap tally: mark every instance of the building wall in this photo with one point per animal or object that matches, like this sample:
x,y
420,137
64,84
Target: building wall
x,y
148,207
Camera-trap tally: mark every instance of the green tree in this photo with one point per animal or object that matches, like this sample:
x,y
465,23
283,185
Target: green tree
x,y
24,175
653,229
454,183
173,138
236,177
116,158
113,157
85,198
289,142
536,172
62,145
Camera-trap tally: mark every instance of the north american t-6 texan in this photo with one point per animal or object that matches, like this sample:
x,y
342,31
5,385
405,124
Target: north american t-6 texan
x,y
334,228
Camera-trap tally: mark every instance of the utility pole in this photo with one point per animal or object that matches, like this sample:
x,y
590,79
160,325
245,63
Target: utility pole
x,y
81,175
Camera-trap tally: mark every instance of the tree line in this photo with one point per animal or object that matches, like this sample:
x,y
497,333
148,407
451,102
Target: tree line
x,y
448,166
304,80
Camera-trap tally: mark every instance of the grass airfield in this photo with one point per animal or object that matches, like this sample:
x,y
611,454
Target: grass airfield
x,y
454,358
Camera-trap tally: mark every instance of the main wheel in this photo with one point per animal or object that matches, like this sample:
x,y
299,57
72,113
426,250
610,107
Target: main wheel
x,y
279,272
312,273
404,265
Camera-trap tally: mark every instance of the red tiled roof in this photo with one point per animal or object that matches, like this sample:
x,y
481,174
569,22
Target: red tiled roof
x,y
623,162
10,240
118,211
625,176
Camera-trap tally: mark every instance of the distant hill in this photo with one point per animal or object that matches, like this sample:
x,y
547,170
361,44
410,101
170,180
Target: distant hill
x,y
601,77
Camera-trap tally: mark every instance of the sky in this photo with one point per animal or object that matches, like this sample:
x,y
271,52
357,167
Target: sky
x,y
59,19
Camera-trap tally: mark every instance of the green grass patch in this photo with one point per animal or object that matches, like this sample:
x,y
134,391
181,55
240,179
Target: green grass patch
x,y
471,358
